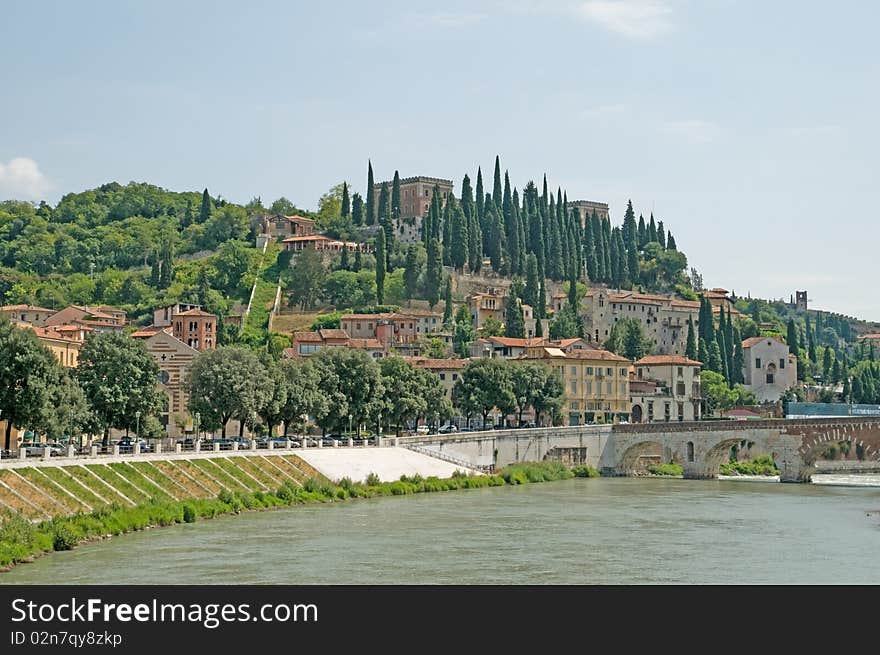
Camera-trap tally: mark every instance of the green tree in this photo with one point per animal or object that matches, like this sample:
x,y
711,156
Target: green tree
x,y
357,209
792,337
227,383
458,253
29,374
381,258
370,208
68,411
433,272
627,338
304,396
532,287
412,268
205,209
118,376
447,303
528,383
352,382
166,274
567,325
463,332
407,401
514,322
155,271
492,327
549,401
346,202
395,198
690,349
826,364
307,278
273,396
484,384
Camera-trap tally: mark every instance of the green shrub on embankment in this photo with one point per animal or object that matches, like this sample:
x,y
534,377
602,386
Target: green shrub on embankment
x,y
21,540
669,470
763,465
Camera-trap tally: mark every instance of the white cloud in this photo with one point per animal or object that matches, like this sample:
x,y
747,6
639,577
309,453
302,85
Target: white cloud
x,y
635,19
22,178
694,130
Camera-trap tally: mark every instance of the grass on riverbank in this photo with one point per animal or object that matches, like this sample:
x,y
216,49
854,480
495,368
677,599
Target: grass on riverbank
x,y
668,470
21,540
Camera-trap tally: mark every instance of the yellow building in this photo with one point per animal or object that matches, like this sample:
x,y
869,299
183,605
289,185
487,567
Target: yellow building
x,y
596,383
65,348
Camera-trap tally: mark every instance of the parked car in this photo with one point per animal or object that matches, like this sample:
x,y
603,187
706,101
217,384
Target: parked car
x,y
448,428
126,445
422,429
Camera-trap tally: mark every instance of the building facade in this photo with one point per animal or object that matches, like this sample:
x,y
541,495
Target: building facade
x,y
196,328
595,382
27,314
768,368
665,388
586,209
415,200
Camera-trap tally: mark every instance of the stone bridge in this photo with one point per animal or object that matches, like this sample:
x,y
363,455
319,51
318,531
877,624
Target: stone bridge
x,y
700,447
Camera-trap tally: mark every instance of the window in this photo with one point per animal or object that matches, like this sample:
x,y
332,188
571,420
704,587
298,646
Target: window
x,y
680,411
769,378
575,405
641,373
208,326
369,326
574,370
609,372
588,387
455,376
426,195
782,363
443,376
574,386
679,389
666,411
589,370
757,362
680,372
608,388
622,372
623,388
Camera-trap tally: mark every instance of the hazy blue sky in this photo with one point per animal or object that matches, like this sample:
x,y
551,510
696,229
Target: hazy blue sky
x,y
748,127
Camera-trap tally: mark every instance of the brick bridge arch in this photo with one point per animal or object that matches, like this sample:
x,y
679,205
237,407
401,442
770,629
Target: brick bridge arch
x,y
701,447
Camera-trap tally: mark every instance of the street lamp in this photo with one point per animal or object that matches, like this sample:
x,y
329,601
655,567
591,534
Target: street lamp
x,y
197,417
137,429
349,425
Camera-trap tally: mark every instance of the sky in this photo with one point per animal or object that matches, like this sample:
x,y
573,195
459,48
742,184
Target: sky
x,y
748,127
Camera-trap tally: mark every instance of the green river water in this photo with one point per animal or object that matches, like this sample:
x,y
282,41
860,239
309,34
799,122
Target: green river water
x,y
618,530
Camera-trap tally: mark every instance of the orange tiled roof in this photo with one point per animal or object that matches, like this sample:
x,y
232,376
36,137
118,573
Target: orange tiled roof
x,y
308,237
366,344
194,312
751,341
515,342
299,219
680,360
307,336
31,308
333,333
149,331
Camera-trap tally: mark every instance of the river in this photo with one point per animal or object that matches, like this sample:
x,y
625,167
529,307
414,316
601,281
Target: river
x,y
617,530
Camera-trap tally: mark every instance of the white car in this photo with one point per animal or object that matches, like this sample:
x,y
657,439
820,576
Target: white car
x,y
422,429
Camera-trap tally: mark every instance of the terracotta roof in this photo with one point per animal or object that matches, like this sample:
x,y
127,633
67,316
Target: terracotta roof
x,y
299,219
515,342
195,312
308,237
870,337
31,308
44,333
680,360
334,333
751,341
307,336
366,344
427,362
587,354
565,343
686,303
72,328
714,293
290,353
148,331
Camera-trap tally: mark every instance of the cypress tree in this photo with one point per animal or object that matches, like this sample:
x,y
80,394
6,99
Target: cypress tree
x,y
737,372
811,343
589,245
572,289
847,390
514,323
166,274
384,207
703,352
358,263
630,230
511,229
155,270
826,364
446,242
642,233
531,291
652,229
479,200
411,272
380,267
459,247
539,327
715,358
690,350
370,207
497,193
357,209
598,239
607,244
835,371
670,242
447,303
467,199
623,271
728,340
346,201
721,341
475,245
615,262
521,234
433,272
541,306
187,215
661,234
205,210
343,259
554,259
395,198
536,229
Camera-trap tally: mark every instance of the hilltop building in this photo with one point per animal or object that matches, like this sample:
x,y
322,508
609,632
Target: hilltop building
x,y
415,200
768,368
